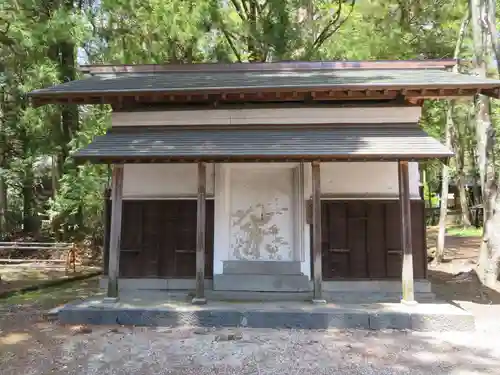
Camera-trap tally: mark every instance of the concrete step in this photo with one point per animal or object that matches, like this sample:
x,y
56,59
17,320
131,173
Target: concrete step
x,y
420,317
255,267
262,283
334,297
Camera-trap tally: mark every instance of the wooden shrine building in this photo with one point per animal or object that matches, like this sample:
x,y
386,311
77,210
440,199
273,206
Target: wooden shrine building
x,y
297,177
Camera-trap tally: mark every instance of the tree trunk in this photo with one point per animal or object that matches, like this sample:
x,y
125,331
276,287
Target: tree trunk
x,y
459,150
464,203
482,118
3,185
29,226
445,182
449,131
485,41
3,201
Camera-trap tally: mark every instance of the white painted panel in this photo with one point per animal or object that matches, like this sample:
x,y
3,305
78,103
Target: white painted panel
x,y
331,115
261,214
370,178
222,225
163,180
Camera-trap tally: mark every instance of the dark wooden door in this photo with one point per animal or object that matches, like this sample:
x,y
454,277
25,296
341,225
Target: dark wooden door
x,y
362,239
159,239
344,239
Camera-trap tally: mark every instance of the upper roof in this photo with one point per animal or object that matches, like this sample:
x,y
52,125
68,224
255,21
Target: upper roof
x,y
267,81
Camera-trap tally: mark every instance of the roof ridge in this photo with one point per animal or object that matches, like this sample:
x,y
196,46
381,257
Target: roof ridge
x,y
269,66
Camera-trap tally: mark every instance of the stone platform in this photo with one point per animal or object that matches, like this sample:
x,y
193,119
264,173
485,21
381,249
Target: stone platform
x,y
174,310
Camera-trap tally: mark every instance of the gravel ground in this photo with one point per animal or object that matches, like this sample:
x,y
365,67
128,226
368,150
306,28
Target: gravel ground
x,y
47,348
30,345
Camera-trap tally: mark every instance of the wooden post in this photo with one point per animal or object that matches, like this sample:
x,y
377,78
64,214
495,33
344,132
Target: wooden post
x,y
199,298
107,227
115,232
316,222
408,295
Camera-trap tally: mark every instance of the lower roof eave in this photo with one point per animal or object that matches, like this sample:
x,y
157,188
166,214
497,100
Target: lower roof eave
x,y
102,159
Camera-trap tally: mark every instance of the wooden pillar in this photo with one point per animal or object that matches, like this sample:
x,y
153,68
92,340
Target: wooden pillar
x,y
115,232
408,295
107,226
199,298
316,243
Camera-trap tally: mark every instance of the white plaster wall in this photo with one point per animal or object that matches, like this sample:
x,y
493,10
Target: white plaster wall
x,y
372,180
163,180
312,115
225,196
261,213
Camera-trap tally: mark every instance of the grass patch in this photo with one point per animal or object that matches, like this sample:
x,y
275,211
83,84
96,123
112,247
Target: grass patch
x,y
464,232
50,296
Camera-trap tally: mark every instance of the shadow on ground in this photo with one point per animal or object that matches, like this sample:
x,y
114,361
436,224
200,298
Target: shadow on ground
x,y
186,351
462,287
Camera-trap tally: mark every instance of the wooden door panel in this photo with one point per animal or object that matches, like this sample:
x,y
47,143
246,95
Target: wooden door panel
x,y
356,228
159,238
362,239
376,254
335,258
149,261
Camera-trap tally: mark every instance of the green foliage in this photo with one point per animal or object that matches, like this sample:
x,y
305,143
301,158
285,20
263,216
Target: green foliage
x,y
41,40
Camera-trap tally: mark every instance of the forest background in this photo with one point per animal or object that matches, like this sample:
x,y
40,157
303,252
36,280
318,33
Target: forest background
x,y
45,196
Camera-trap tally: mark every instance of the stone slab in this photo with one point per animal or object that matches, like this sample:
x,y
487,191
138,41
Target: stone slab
x,y
154,284
390,320
379,286
262,283
429,321
245,267
428,317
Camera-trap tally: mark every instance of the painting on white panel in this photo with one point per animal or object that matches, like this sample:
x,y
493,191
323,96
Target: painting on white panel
x,y
261,217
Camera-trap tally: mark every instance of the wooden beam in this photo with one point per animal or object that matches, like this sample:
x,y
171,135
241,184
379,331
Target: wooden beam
x,y
199,298
115,232
316,221
406,241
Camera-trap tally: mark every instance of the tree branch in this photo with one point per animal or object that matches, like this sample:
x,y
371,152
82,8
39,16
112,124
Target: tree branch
x,y
330,28
491,28
231,43
241,12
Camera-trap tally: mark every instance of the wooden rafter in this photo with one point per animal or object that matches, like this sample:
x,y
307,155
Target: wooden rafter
x,y
290,95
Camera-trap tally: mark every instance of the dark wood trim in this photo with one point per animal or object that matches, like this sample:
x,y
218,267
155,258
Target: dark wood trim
x,y
115,231
272,66
357,196
165,107
136,159
408,293
167,197
120,98
201,235
316,219
138,129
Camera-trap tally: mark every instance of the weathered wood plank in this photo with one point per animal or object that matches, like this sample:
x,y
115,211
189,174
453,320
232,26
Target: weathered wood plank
x,y
406,229
201,235
115,232
316,250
